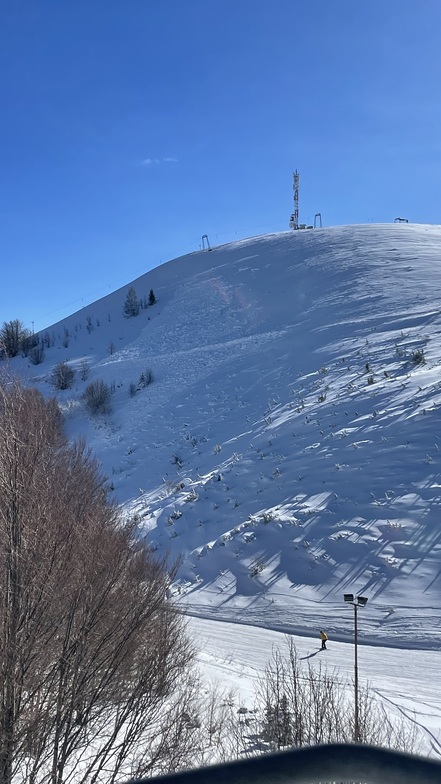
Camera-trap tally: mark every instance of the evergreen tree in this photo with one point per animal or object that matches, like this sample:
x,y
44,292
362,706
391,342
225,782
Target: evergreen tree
x,y
278,723
285,723
131,305
152,298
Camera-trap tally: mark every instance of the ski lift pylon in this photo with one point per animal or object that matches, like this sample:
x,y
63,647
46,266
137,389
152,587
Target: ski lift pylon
x,y
205,239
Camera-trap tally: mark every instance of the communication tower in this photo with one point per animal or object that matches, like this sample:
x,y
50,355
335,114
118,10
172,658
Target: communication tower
x,y
294,219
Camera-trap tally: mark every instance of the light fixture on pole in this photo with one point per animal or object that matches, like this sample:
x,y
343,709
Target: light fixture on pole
x,y
356,601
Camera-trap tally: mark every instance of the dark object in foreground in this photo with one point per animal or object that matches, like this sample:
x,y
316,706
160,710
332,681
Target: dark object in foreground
x,y
342,762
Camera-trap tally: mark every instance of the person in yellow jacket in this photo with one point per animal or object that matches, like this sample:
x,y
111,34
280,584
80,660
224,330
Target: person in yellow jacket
x,y
323,637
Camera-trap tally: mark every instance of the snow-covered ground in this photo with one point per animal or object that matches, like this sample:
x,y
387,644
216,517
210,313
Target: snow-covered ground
x,y
288,448
405,680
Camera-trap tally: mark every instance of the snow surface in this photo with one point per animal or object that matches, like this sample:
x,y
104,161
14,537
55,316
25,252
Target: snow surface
x,y
288,448
404,681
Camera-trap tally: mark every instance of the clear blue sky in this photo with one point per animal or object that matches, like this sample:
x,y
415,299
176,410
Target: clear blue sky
x,y
132,127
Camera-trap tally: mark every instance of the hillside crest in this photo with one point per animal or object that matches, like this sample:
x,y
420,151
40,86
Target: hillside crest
x,y
287,449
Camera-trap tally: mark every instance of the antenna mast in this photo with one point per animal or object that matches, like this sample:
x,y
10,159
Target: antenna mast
x,y
294,220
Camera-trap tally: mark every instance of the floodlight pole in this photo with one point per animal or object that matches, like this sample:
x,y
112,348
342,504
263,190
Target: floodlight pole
x,y
359,601
356,715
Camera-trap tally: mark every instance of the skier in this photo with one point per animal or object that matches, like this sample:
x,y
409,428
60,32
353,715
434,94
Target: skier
x,y
323,637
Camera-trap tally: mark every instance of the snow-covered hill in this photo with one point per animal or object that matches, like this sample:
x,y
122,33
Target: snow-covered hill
x,y
288,448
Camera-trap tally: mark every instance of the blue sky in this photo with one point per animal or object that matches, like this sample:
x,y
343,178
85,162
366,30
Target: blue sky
x,y
129,129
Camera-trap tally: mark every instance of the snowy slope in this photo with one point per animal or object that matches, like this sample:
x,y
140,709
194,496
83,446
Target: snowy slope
x,y
235,658
288,447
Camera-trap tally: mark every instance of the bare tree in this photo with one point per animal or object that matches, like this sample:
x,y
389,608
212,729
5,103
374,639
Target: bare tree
x,y
197,729
36,354
22,448
301,705
97,397
14,337
84,370
92,655
62,376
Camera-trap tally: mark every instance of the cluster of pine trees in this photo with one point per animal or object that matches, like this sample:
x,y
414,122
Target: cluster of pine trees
x,y
133,304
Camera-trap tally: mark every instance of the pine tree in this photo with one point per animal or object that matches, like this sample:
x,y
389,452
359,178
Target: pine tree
x,y
285,723
152,298
278,723
131,305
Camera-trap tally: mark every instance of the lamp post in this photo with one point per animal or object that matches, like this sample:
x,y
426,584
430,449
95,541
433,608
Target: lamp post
x,y
356,601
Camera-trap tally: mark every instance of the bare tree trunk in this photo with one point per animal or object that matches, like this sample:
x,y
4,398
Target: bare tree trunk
x,y
11,619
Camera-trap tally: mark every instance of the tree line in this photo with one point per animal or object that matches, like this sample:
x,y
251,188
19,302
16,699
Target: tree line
x,y
93,657
16,339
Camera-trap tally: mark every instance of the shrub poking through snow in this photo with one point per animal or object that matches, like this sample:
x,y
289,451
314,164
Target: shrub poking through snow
x,y
418,357
62,376
146,378
84,370
97,397
36,354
